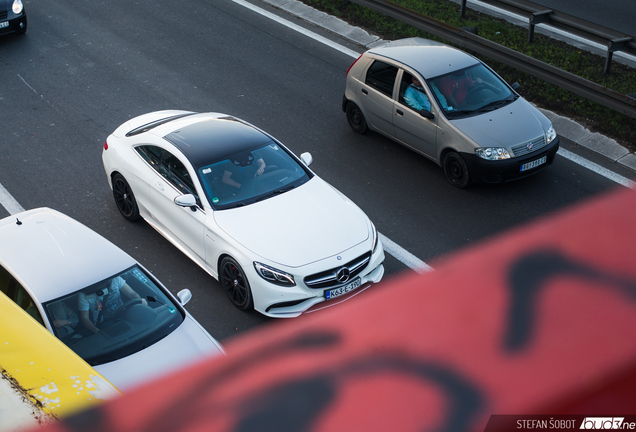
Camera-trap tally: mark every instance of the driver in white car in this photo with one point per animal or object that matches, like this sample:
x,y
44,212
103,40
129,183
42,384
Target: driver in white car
x,y
104,303
243,168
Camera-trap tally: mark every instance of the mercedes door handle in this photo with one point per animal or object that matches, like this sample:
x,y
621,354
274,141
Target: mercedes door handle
x,y
364,92
159,186
399,112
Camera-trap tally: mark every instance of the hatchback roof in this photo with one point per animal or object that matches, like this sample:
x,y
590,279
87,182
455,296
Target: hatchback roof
x,y
53,255
430,58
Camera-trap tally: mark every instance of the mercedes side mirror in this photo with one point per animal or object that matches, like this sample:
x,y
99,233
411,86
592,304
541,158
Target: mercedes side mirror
x,y
306,158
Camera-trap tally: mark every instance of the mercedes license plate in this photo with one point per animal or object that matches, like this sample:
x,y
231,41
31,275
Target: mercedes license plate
x,y
4,24
533,164
336,292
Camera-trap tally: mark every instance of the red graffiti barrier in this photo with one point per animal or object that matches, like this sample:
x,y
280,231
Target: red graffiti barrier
x,y
539,321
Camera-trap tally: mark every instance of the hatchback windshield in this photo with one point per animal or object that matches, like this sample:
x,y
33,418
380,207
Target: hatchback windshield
x,y
250,176
115,317
470,91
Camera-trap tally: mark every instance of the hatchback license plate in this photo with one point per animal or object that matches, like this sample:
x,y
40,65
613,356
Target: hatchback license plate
x,y
533,164
4,24
336,292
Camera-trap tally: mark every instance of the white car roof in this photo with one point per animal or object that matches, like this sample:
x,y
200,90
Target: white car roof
x,y
53,255
430,58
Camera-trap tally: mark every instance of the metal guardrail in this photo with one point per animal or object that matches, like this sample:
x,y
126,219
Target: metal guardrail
x,y
573,83
538,14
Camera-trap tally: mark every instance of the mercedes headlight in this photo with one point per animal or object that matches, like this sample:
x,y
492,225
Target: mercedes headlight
x,y
375,238
550,134
275,276
493,153
17,7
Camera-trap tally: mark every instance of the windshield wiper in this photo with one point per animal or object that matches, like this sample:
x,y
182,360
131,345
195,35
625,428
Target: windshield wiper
x,y
494,105
276,192
459,113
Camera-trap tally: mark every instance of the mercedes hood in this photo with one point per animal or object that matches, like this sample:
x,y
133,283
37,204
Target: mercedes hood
x,y
307,224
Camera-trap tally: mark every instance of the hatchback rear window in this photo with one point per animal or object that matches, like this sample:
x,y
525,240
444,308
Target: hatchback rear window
x,y
381,76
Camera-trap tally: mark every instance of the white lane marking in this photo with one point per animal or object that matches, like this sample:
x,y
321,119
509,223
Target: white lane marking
x,y
8,202
404,256
27,84
597,168
299,29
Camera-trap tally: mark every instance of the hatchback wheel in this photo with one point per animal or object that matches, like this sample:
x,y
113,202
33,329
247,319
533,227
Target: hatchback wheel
x,y
124,198
235,284
356,118
456,170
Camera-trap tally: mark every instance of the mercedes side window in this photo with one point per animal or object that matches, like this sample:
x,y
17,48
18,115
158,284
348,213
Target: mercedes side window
x,y
151,154
381,76
12,289
173,170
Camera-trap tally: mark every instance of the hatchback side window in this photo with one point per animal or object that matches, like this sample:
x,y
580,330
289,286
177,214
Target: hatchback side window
x,y
381,76
173,170
12,288
151,154
412,93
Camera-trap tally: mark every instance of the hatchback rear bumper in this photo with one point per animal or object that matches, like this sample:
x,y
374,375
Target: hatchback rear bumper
x,y
485,171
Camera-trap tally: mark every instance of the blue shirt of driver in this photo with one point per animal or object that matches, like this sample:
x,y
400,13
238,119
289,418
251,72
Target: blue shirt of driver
x,y
416,98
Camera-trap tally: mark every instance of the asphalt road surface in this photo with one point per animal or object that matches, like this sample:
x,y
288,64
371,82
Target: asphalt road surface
x,y
83,68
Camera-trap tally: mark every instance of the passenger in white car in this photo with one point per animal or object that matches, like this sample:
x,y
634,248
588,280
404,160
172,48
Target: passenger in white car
x,y
65,319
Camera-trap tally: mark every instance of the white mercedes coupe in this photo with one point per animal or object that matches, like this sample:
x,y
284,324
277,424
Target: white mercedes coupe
x,y
242,206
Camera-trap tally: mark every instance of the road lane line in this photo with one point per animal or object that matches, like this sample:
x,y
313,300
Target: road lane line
x,y
596,168
8,202
299,29
404,256
27,84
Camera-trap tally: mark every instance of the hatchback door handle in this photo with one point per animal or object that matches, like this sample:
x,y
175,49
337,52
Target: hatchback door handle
x,y
400,113
365,92
159,186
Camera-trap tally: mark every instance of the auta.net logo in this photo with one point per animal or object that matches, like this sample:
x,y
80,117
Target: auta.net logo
x,y
604,423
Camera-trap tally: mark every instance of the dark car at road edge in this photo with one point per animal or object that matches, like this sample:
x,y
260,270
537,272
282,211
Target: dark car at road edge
x,y
13,17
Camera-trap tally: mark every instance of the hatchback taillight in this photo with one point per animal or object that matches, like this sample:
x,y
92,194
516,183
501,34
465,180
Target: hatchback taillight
x,y
353,64
106,145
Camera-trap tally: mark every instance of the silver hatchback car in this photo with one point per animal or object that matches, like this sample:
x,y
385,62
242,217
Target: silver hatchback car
x,y
450,107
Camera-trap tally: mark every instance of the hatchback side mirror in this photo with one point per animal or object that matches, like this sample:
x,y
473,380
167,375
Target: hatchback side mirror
x,y
516,86
184,296
427,114
306,158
